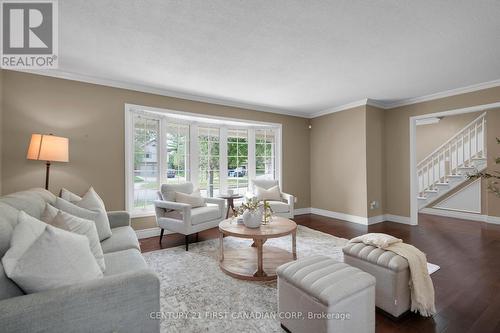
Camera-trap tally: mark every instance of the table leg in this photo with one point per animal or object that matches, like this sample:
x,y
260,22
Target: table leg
x,y
294,245
221,246
260,261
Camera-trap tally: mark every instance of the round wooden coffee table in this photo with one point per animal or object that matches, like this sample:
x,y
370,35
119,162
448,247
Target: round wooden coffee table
x,y
257,262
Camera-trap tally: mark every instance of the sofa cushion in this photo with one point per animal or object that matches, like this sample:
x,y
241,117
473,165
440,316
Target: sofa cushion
x,y
376,256
194,200
32,201
68,222
168,190
92,201
279,206
264,183
325,279
205,214
272,193
42,257
123,238
123,262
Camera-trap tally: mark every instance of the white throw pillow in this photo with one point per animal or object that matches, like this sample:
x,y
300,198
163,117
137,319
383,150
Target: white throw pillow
x,y
272,193
91,201
42,257
376,239
194,199
68,222
69,196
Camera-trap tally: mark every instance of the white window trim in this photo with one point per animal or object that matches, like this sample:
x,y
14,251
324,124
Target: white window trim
x,y
223,123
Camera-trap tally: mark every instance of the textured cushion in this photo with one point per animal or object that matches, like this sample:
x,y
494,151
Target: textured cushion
x,y
325,279
272,193
194,200
32,201
279,206
205,214
124,262
376,256
376,239
66,221
123,238
93,202
264,183
88,214
168,190
43,257
70,196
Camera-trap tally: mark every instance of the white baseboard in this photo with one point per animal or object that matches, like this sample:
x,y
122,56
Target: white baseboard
x,y
340,216
302,211
398,219
150,232
461,215
358,219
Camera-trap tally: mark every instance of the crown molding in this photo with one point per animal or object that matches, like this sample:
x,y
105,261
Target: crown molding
x,y
340,108
255,107
443,94
159,91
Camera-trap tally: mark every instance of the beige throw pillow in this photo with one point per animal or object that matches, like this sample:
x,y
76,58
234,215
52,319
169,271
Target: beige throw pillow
x,y
376,239
90,201
272,193
42,257
68,222
194,199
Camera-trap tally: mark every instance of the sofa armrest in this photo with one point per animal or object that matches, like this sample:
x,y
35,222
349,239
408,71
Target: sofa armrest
x,y
290,199
119,219
220,202
119,303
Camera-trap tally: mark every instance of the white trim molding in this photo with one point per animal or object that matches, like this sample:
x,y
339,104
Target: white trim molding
x,y
461,215
149,232
360,219
302,211
225,101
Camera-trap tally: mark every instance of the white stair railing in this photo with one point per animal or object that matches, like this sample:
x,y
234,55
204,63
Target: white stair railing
x,y
456,153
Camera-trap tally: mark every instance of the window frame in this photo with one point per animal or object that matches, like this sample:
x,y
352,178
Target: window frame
x,y
193,120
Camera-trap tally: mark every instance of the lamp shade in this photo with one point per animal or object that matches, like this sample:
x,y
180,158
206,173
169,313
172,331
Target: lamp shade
x,y
48,148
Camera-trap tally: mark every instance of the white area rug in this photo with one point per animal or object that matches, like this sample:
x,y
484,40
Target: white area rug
x,y
196,296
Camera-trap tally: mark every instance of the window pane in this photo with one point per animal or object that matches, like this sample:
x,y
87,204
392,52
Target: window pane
x,y
237,177
265,155
177,145
146,168
209,159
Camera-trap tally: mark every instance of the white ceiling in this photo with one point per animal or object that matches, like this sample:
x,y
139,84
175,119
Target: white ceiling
x,y
289,55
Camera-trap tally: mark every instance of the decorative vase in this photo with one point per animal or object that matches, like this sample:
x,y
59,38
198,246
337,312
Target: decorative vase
x,y
252,219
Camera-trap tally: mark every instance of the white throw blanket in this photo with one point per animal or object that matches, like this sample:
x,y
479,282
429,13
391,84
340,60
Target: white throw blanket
x,y
421,287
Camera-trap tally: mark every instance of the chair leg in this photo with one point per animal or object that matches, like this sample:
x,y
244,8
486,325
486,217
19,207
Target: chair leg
x,y
161,234
186,238
196,237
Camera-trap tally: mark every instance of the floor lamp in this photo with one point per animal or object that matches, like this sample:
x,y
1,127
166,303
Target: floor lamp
x,y
48,148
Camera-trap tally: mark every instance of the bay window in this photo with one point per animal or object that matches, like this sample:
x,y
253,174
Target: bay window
x,y
215,154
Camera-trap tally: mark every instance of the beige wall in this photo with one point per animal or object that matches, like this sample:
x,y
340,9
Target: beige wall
x,y
375,159
397,142
432,136
338,162
92,116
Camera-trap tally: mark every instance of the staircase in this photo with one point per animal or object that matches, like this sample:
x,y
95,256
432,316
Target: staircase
x,y
447,166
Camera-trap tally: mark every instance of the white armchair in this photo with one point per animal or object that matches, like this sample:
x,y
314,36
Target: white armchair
x,y
183,218
284,207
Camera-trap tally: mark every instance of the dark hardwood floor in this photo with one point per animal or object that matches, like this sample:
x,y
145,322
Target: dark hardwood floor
x,y
467,285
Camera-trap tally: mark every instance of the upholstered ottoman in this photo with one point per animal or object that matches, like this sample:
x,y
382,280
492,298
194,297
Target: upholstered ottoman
x,y
319,294
392,292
